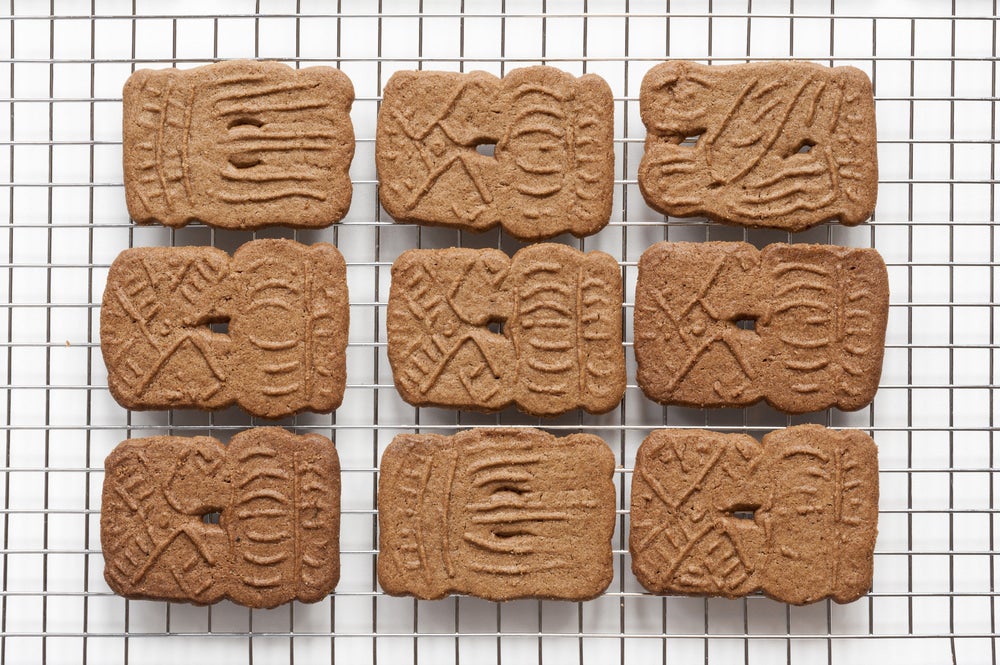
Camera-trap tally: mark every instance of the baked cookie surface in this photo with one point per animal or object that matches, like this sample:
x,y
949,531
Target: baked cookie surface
x,y
794,515
814,320
277,496
497,513
476,329
784,145
239,144
284,351
551,170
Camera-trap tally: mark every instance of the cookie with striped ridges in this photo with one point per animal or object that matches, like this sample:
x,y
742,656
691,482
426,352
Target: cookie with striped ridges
x,y
499,513
239,144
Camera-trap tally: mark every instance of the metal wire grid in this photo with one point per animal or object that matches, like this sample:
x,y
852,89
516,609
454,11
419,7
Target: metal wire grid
x,y
934,597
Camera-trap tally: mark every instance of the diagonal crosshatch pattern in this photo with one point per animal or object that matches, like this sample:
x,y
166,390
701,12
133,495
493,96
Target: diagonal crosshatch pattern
x,y
933,66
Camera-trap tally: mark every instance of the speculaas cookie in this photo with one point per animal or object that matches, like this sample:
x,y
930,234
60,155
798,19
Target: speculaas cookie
x,y
285,348
278,534
496,513
239,144
794,516
552,167
783,145
475,329
816,316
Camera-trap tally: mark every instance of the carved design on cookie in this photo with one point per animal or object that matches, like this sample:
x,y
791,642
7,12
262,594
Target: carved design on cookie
x,y
723,515
496,513
780,145
286,513
551,170
694,325
449,342
160,344
818,313
294,328
284,351
560,344
439,149
827,323
680,489
238,144
829,488
137,540
277,539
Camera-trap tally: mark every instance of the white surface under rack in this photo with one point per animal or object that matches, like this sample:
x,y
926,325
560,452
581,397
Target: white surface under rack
x,y
934,68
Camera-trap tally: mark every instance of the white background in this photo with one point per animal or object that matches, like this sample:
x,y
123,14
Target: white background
x,y
64,221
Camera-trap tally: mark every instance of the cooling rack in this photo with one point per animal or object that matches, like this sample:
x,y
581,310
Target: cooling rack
x,y
933,65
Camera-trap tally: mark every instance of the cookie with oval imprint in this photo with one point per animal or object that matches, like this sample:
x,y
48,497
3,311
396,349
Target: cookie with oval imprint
x,y
794,515
532,152
277,499
238,145
784,145
496,513
190,327
722,324
476,329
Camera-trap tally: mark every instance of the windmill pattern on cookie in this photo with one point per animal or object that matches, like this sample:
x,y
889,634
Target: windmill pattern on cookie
x,y
819,314
779,145
278,496
723,515
551,170
560,344
238,145
283,352
499,514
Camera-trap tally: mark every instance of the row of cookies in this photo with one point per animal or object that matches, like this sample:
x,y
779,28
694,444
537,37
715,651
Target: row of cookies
x,y
495,513
245,144
715,324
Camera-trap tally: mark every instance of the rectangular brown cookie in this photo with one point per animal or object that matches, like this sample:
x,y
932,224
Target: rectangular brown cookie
x,y
285,349
783,145
278,534
818,315
551,170
794,516
239,144
475,329
496,513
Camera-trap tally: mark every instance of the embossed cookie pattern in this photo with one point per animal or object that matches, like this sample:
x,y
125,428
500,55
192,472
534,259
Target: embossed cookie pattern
x,y
794,516
476,329
496,513
277,537
238,144
781,145
813,318
287,313
552,166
